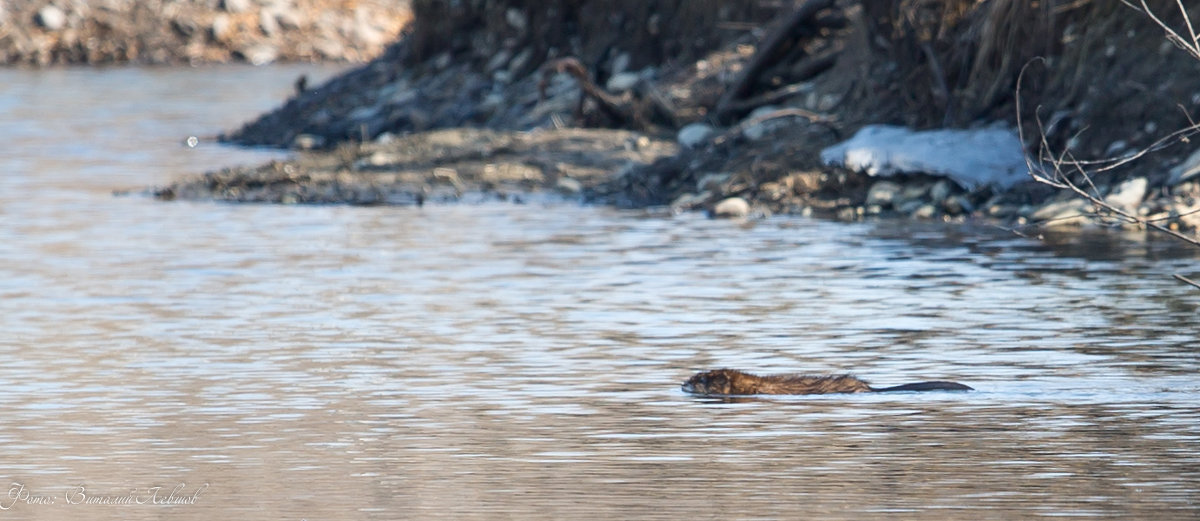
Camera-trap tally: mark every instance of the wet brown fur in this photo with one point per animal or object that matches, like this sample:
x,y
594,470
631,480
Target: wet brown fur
x,y
734,382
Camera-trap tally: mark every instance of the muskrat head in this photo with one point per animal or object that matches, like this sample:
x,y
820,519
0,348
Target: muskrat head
x,y
719,381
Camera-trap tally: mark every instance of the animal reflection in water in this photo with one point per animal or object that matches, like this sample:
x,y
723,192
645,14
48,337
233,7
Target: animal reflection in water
x,y
733,382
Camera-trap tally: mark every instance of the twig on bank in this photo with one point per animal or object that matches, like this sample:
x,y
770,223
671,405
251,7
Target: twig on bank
x,y
1181,278
1065,164
740,128
1191,43
812,67
767,53
611,105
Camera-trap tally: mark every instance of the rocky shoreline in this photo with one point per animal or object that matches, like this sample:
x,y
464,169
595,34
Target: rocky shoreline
x,y
73,32
736,129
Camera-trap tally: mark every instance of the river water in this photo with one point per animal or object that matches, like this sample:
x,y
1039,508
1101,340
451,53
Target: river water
x,y
198,360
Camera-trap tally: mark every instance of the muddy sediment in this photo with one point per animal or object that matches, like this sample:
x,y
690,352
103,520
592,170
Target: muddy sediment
x,y
753,94
438,167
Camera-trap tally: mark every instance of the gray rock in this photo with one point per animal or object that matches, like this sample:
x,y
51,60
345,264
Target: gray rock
x,y
957,205
287,16
620,63
694,135
500,59
260,54
308,142
757,131
732,207
443,60
1129,194
267,22
711,182
1116,147
1071,212
235,6
329,48
940,190
568,186
687,202
847,213
883,194
910,206
1188,215
622,82
915,191
1187,170
520,61
516,19
220,27
50,18
925,211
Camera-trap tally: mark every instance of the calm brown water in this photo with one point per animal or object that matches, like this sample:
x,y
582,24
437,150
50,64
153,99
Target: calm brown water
x,y
504,361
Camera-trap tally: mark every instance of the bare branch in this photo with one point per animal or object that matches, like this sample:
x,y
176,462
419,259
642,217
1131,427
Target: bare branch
x,y
1181,278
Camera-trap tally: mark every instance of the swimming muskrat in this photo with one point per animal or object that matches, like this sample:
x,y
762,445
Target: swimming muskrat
x,y
731,381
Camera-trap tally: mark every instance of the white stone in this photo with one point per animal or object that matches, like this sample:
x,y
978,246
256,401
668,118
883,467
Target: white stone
x,y
51,18
971,158
260,54
712,182
620,63
1071,212
235,6
883,194
267,22
1129,194
1186,170
622,82
516,19
220,27
694,135
732,207
568,186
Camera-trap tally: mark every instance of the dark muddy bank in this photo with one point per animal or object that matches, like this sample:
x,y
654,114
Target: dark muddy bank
x,y
755,91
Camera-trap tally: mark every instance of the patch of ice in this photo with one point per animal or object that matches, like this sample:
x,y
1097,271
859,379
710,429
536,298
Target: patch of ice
x,y
971,158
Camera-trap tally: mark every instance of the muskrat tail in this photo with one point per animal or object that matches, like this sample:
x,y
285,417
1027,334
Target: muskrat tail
x,y
925,386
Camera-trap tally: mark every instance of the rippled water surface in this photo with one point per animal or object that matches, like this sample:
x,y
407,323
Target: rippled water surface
x,y
524,361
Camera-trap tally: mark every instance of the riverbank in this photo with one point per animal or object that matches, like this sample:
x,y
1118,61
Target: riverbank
x,y
752,106
42,33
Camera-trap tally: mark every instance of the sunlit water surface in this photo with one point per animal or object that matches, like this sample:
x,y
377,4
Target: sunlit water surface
x,y
524,361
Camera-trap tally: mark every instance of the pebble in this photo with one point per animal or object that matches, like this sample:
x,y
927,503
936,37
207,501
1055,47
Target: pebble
x,y
267,22
711,182
51,18
694,135
620,63
308,142
1129,194
883,194
940,190
1187,170
516,19
235,6
623,82
925,211
957,205
568,186
220,27
260,54
731,208
686,201
1072,212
